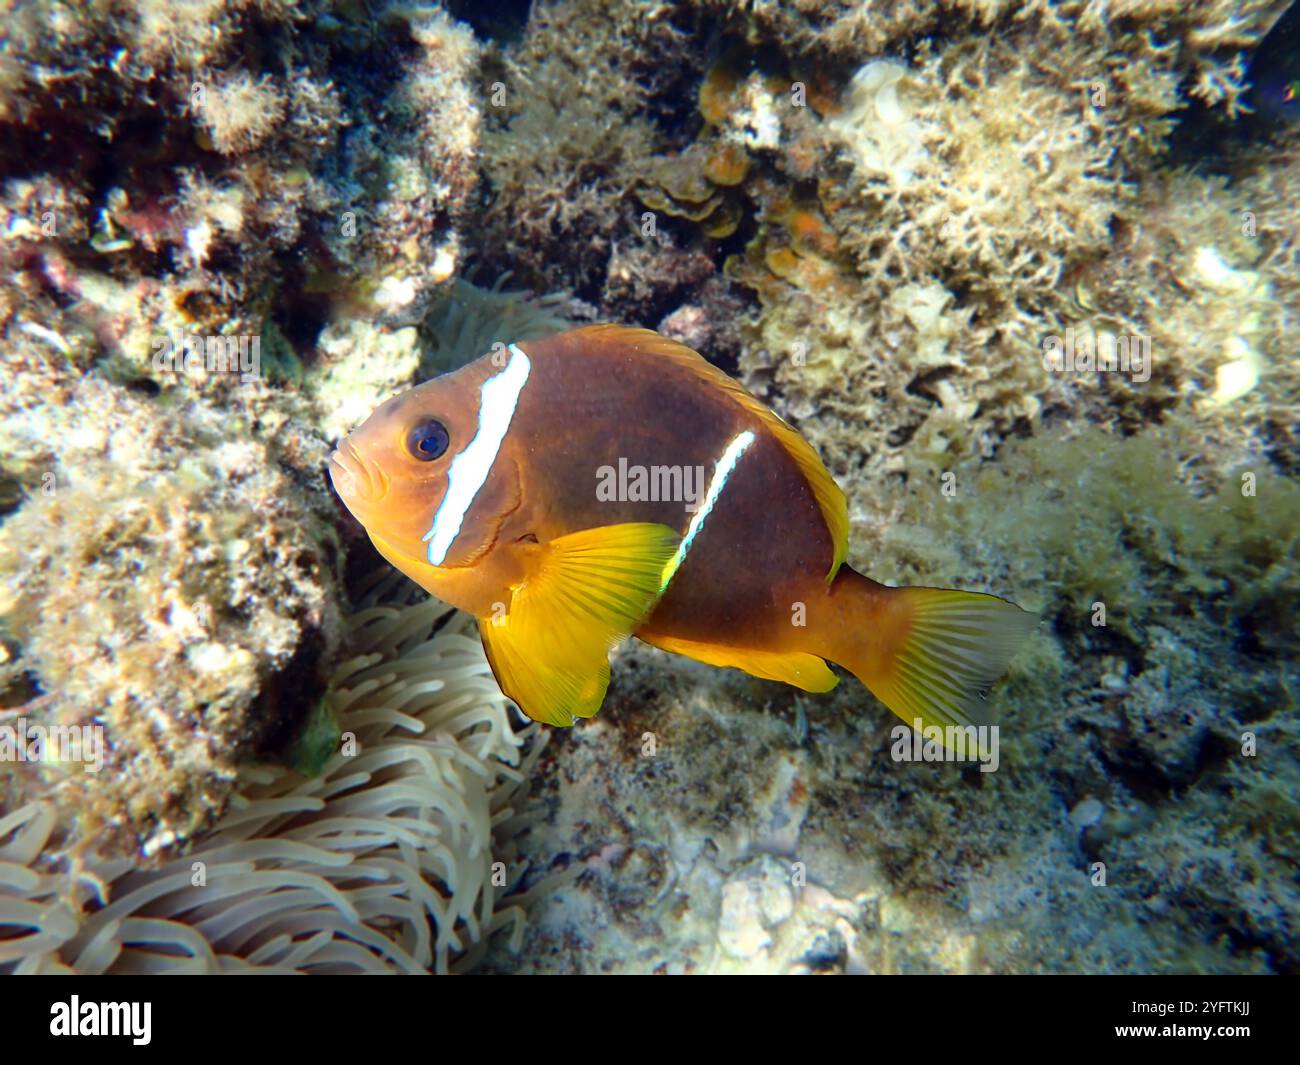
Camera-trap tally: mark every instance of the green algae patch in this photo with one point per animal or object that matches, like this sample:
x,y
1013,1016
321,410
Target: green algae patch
x,y
318,742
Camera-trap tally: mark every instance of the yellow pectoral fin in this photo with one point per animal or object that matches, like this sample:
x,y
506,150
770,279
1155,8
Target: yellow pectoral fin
x,y
790,667
584,594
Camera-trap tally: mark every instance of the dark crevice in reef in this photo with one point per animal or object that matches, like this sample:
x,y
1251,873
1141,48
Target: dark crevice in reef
x,y
503,21
290,696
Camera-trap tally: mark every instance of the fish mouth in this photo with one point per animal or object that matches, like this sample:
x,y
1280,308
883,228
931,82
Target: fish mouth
x,y
355,479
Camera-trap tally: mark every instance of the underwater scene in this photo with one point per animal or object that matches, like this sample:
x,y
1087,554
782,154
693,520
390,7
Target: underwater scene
x,y
613,486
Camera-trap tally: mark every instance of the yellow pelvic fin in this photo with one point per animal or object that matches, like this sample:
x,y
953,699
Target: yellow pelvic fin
x,y
830,497
940,651
790,667
584,594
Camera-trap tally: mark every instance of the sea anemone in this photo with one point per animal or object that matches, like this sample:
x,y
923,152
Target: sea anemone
x,y
469,319
398,857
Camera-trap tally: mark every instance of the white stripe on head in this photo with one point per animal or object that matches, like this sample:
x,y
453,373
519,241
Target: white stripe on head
x,y
721,472
498,398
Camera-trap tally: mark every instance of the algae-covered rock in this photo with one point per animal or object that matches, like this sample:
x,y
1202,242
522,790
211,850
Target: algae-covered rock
x,y
167,585
360,367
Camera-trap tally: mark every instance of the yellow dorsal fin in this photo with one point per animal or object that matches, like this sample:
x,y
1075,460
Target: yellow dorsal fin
x,y
829,496
584,594
799,668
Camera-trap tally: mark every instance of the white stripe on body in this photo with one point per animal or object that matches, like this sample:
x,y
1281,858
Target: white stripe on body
x,y
721,472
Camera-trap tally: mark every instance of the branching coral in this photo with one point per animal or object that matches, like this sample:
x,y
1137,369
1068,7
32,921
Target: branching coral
x,y
400,856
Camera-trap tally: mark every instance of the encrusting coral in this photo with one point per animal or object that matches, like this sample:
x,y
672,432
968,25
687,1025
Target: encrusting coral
x,y
398,856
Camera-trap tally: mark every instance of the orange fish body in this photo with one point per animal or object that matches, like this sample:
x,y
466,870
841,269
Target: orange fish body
x,y
607,482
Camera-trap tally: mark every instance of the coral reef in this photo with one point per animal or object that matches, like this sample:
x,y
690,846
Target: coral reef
x,y
1021,271
206,184
561,148
923,226
210,269
985,211
922,218
1200,42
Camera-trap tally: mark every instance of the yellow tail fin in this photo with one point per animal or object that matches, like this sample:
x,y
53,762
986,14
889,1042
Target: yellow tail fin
x,y
933,653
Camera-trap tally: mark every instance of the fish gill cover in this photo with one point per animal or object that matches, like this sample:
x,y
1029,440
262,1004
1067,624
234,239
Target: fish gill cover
x,y
1023,275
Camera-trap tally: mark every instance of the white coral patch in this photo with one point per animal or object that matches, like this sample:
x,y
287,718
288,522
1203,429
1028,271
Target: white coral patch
x,y
395,293
880,125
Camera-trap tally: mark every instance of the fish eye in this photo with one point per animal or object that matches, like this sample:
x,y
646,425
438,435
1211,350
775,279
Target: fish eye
x,y
427,440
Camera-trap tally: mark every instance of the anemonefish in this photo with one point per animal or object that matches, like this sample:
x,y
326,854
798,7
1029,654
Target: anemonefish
x,y
609,482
